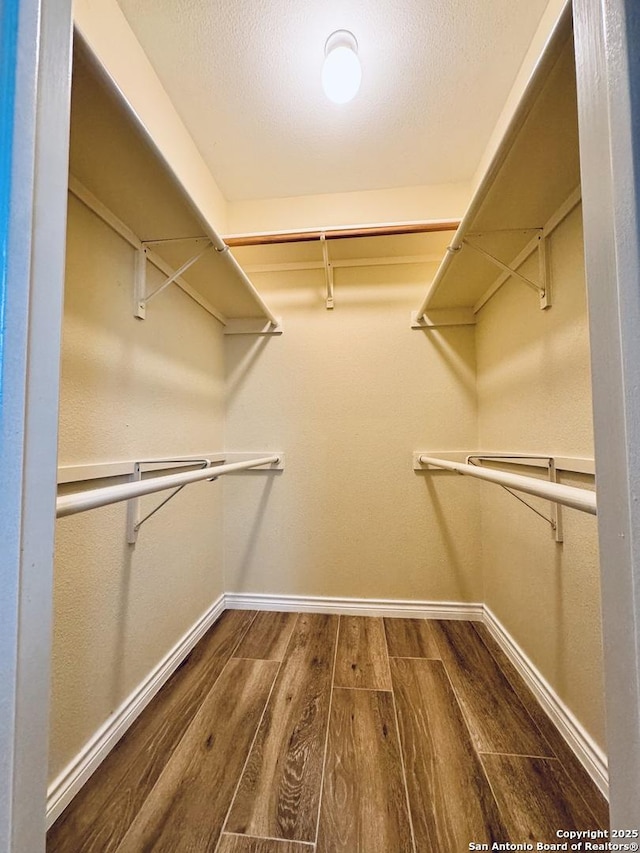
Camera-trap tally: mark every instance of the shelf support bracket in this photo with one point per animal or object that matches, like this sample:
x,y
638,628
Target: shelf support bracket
x,y
555,521
540,290
556,509
140,284
544,261
142,298
328,271
134,522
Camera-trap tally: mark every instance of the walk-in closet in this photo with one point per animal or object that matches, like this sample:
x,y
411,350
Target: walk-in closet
x,y
332,571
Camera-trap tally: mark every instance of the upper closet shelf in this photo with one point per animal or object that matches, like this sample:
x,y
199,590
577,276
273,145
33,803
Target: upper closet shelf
x,y
117,171
531,185
338,250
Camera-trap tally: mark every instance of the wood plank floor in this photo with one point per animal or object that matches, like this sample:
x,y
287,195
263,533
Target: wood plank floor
x,y
279,792
364,803
309,733
450,797
188,804
362,660
497,719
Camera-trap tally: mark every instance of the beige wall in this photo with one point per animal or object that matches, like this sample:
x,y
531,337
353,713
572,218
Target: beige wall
x,y
348,395
130,389
534,395
401,204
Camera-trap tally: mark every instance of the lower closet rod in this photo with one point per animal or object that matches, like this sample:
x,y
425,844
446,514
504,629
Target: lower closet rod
x,y
581,499
92,498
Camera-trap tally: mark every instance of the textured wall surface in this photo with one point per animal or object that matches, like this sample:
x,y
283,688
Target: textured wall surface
x,y
534,395
130,390
348,394
404,204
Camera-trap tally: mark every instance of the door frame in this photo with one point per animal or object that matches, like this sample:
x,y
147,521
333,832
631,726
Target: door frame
x,y
34,116
608,74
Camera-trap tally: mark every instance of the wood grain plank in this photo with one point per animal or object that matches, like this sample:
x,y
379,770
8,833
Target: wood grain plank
x,y
244,844
280,787
450,799
100,814
268,636
563,752
187,807
361,658
497,719
364,804
411,638
535,798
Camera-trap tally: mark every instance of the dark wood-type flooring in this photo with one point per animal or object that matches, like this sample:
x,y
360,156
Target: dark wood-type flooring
x,y
295,733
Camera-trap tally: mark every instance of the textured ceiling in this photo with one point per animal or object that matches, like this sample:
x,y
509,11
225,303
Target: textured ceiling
x,y
245,77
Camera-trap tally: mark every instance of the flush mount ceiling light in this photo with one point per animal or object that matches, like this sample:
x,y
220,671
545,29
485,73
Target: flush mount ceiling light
x,y
341,72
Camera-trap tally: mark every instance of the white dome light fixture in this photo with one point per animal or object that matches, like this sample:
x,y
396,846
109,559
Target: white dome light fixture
x,y
341,72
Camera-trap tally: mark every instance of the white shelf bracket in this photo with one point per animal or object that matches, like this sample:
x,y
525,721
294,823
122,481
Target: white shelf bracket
x,y
544,262
556,509
328,271
140,284
134,522
142,298
540,290
555,519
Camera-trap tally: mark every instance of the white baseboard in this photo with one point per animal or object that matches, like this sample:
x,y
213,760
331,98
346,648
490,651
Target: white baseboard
x,y
355,606
62,790
579,740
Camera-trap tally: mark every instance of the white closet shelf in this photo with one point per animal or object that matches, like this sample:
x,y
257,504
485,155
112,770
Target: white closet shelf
x,y
530,186
364,249
78,473
338,253
118,172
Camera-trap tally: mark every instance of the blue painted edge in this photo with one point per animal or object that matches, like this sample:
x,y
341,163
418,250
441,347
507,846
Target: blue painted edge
x,y
633,59
8,56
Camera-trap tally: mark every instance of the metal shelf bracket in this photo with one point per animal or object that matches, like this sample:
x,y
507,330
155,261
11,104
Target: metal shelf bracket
x,y
544,261
134,522
544,289
555,520
141,297
328,271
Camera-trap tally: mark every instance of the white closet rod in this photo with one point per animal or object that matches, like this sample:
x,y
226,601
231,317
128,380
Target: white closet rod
x,y
581,499
93,498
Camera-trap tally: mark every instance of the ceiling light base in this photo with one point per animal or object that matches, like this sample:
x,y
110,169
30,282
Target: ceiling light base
x,y
341,38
